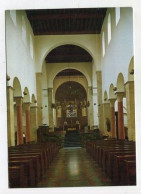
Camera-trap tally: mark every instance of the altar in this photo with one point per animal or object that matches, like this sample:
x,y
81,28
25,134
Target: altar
x,y
71,128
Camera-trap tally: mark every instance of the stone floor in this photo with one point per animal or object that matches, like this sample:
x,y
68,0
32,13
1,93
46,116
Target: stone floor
x,y
74,167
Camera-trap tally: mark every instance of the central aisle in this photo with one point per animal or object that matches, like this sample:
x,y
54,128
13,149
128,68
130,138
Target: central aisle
x,y
74,167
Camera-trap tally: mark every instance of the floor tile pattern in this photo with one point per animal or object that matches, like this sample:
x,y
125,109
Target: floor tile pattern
x,y
74,167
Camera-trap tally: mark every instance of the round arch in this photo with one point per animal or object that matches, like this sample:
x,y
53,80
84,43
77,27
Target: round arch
x,y
33,100
120,83
83,81
111,92
55,45
105,96
131,70
17,87
26,97
71,67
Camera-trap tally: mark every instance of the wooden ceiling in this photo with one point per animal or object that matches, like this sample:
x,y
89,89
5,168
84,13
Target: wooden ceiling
x,y
66,21
70,72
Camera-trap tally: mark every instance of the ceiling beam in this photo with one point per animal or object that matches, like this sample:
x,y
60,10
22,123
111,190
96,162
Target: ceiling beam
x,y
66,32
66,16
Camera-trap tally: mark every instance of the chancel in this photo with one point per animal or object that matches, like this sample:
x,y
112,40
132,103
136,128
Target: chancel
x,y
70,97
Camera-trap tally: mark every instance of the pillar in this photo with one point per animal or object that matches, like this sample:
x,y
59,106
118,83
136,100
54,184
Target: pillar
x,y
50,109
99,99
39,96
121,132
34,122
90,108
129,88
106,114
27,113
10,117
18,101
112,115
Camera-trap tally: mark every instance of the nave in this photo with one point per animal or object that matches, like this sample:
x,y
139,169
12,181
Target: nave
x,y
74,167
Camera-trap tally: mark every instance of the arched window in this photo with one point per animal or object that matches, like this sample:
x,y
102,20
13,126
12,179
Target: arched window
x,y
23,30
103,44
31,46
117,14
109,28
13,16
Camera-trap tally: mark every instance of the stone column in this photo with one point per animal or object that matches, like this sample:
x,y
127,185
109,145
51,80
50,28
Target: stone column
x,y
99,99
34,122
50,110
121,132
18,101
90,108
27,113
10,117
106,115
39,96
113,122
130,102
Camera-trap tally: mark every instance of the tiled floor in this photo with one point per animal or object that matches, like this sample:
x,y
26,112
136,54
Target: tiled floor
x,y
74,167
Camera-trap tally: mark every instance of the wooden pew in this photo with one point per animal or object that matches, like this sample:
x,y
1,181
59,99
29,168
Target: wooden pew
x,y
36,164
104,151
17,179
111,157
28,170
121,168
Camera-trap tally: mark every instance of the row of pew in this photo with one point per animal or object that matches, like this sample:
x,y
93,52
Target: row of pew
x,y
117,158
28,163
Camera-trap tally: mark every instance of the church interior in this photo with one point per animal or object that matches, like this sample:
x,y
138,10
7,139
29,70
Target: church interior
x,y
70,97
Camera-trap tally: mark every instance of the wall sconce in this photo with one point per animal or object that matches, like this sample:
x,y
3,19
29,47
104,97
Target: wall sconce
x,y
7,77
105,99
45,105
94,104
132,72
115,88
35,101
25,93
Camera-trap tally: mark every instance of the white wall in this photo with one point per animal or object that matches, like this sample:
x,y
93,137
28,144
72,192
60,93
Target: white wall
x,y
54,68
44,44
120,49
59,80
19,60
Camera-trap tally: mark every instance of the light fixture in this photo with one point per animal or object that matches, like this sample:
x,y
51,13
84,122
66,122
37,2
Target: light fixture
x,y
25,93
35,101
132,72
105,99
115,88
94,103
7,77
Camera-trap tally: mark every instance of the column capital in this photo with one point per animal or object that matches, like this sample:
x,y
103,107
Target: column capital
x,y
112,101
18,100
33,107
120,96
